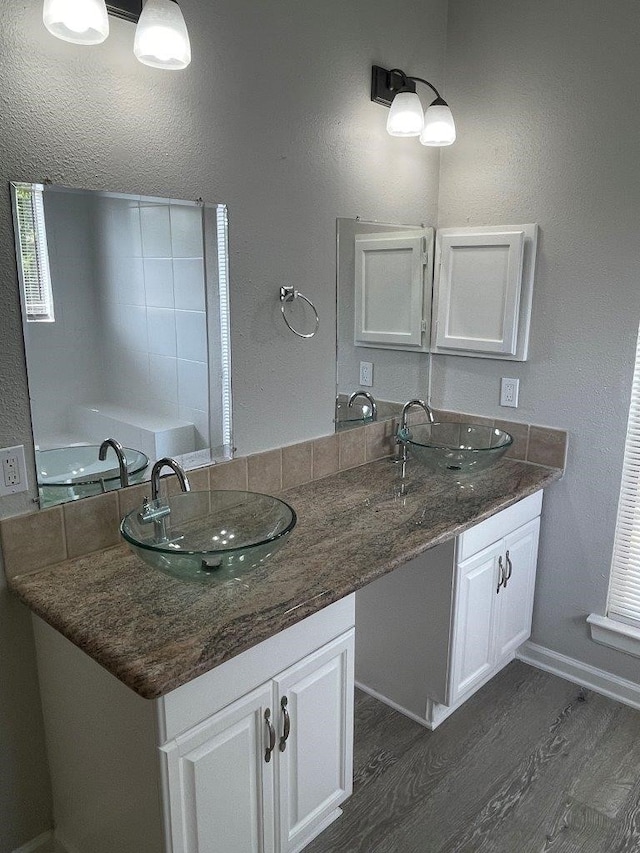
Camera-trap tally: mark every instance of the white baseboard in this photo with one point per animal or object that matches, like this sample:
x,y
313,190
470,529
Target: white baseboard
x,y
44,840
598,680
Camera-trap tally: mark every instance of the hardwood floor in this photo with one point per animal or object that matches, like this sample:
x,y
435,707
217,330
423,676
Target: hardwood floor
x,y
530,764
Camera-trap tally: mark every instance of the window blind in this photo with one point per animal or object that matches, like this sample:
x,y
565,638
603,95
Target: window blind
x,y
33,255
624,586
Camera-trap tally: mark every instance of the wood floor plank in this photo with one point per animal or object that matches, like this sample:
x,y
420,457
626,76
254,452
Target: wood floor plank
x,y
446,772
527,791
382,736
525,766
576,828
612,773
625,835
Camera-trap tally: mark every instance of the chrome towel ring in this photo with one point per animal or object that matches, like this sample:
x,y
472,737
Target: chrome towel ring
x,y
288,294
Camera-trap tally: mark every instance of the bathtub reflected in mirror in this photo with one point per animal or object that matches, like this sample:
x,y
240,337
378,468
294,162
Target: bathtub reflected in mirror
x,y
126,326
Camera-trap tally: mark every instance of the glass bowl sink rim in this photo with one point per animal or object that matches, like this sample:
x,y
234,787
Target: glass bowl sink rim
x,y
157,548
137,461
406,436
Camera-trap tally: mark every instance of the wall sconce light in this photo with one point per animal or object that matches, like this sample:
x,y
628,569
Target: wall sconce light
x,y
397,90
161,38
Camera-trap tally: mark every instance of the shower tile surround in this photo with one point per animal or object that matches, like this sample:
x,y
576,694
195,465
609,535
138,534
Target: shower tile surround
x,y
46,537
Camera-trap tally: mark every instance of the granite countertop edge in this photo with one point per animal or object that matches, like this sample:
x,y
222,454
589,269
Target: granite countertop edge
x,y
155,633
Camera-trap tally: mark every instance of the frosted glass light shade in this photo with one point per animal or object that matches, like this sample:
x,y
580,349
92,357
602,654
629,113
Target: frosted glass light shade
x,y
439,126
161,39
405,115
77,21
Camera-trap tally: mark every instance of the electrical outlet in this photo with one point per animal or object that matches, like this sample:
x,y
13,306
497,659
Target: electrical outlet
x,y
509,389
366,374
13,471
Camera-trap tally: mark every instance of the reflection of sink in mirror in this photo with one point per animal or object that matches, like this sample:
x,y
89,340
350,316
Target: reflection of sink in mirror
x,y
382,276
209,536
357,413
124,334
360,412
69,473
461,448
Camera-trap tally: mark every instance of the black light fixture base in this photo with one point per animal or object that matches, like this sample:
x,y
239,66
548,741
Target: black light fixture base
x,y
128,10
385,85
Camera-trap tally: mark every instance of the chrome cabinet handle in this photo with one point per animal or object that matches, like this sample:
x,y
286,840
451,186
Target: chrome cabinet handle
x,y
286,728
501,579
509,569
272,736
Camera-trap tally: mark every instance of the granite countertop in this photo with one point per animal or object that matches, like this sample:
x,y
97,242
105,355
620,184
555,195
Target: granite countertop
x,y
155,633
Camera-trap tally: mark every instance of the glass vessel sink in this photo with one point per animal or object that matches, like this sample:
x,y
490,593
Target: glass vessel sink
x,y
67,473
462,448
208,536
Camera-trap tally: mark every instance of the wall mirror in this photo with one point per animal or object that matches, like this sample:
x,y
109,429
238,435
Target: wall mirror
x,y
384,275
126,326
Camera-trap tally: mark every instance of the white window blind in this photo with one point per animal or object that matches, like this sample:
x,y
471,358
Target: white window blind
x,y
624,587
33,253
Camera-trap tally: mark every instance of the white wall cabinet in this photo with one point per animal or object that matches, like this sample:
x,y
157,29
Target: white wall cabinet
x,y
466,607
482,291
254,756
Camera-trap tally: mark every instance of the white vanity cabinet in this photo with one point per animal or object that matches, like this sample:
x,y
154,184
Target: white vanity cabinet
x,y
493,608
434,631
268,772
188,773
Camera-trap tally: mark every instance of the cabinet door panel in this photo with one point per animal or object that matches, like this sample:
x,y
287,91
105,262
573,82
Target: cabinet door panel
x,y
472,637
389,289
515,603
315,768
218,781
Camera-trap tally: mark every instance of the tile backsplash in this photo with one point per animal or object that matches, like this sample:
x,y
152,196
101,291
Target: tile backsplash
x,y
41,538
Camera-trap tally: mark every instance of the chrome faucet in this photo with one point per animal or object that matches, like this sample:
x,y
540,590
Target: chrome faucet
x,y
178,470
369,398
122,459
404,423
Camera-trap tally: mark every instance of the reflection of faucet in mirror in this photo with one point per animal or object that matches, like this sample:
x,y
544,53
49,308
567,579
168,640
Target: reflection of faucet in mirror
x,y
122,459
176,468
369,398
404,421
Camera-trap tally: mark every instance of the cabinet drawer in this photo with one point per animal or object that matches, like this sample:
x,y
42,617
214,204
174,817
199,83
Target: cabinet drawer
x,y
499,525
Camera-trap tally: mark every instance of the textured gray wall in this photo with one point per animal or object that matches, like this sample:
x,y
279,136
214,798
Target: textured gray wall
x,y
273,117
546,103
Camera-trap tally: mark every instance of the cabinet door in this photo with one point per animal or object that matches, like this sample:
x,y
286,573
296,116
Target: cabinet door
x,y
473,621
515,601
390,305
315,759
220,788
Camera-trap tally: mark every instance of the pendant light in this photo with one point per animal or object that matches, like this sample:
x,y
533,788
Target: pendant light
x,y
77,21
161,39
